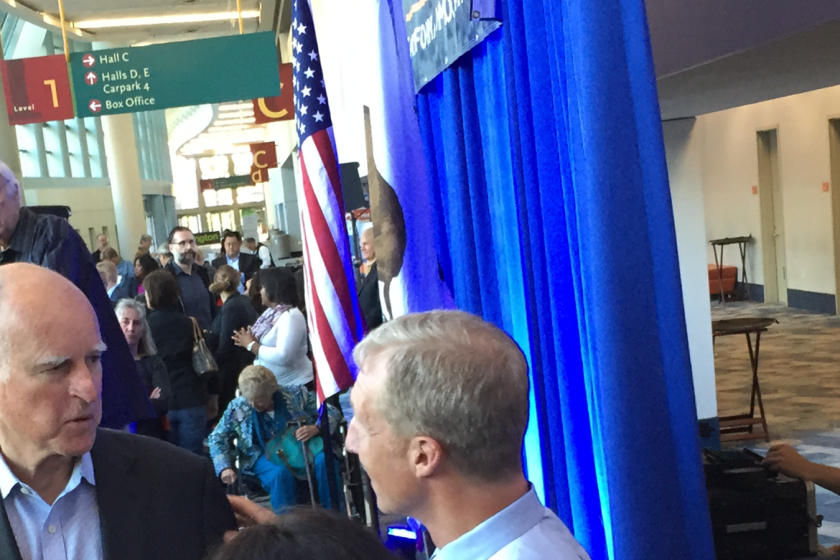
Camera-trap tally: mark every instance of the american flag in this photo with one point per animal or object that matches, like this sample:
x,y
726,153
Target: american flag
x,y
335,323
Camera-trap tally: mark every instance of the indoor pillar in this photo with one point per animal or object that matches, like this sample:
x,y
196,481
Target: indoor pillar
x,y
126,184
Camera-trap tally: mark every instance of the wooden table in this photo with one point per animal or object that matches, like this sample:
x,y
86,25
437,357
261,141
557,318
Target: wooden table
x,y
743,426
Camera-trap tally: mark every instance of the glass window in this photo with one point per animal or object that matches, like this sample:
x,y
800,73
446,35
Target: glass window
x,y
190,221
28,150
242,163
244,195
55,159
222,197
214,167
220,221
184,187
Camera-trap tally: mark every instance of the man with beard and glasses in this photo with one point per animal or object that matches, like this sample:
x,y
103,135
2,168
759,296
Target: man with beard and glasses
x,y
193,279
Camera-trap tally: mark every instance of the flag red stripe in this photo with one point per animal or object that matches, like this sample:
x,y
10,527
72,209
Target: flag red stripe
x,y
325,149
327,247
339,368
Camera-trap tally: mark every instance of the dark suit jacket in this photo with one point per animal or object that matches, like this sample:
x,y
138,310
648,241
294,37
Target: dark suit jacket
x,y
248,264
369,299
156,502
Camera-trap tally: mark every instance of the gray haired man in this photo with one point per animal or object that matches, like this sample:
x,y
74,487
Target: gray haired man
x,y
441,407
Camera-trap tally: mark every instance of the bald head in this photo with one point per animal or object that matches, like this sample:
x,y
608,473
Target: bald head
x,y
24,308
51,369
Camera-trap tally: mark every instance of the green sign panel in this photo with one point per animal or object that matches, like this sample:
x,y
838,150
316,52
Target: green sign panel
x,y
208,238
134,79
233,182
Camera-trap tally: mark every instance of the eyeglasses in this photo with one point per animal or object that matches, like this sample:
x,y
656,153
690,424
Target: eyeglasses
x,y
185,243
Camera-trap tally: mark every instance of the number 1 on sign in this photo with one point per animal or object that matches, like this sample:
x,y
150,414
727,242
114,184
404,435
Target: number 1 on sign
x,y
51,83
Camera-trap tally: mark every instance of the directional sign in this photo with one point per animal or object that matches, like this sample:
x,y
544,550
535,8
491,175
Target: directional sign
x,y
129,80
37,90
208,238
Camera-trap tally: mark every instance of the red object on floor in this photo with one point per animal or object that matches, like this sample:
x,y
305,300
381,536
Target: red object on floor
x,y
729,275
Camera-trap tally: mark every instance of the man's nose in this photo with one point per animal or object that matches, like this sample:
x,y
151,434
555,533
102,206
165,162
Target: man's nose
x,y
352,438
84,383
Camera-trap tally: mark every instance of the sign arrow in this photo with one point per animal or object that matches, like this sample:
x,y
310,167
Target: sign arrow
x,y
89,61
91,78
95,106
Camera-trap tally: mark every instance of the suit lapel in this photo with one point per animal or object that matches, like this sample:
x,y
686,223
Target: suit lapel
x,y
8,545
121,502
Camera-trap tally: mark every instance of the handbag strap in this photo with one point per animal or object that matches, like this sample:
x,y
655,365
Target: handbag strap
x,y
196,330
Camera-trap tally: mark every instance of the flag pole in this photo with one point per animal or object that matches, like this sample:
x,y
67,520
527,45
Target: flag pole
x,y
63,30
329,458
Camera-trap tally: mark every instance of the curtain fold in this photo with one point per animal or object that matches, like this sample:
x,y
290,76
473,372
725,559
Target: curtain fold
x,y
553,220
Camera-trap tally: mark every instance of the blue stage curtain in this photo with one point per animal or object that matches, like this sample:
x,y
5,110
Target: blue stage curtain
x,y
553,220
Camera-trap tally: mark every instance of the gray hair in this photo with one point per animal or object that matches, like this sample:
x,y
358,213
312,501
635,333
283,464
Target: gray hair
x,y
257,381
11,183
458,379
145,237
147,343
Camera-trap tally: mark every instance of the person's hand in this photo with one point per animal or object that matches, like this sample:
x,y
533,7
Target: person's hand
x,y
213,407
155,393
243,337
784,459
248,513
305,433
228,476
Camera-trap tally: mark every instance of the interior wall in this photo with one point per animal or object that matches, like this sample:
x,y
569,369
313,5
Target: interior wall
x,y
683,149
92,207
730,171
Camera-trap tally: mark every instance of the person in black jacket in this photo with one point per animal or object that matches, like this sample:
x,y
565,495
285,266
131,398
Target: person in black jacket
x,y
132,317
236,313
369,287
247,265
194,398
193,280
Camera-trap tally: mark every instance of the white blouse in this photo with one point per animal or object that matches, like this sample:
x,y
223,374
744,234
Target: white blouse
x,y
283,350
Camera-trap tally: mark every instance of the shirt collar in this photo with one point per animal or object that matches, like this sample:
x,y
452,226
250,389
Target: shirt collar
x,y
497,532
82,470
180,271
231,260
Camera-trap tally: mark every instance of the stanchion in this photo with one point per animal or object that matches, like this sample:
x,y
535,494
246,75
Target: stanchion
x,y
329,458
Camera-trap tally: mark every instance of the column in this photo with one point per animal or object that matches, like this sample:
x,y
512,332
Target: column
x,y
126,185
9,153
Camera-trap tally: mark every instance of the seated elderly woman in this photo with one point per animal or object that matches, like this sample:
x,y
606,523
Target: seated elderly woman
x,y
252,429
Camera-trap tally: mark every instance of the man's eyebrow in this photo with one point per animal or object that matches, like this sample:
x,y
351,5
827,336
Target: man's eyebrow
x,y
52,361
100,348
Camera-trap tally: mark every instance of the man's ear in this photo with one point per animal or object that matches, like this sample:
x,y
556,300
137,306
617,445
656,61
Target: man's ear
x,y
425,456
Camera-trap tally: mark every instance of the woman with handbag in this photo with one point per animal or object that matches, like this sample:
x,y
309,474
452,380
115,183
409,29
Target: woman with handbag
x,y
259,430
194,396
279,339
236,313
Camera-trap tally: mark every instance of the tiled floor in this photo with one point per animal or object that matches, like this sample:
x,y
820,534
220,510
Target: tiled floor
x,y
799,370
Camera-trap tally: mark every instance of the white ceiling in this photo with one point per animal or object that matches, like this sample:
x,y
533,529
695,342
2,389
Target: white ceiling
x,y
83,10
802,62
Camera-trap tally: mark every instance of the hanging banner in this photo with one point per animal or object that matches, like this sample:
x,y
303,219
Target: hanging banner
x,y
37,90
197,72
265,155
280,108
441,31
226,183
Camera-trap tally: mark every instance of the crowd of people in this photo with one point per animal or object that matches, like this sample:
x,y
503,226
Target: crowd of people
x,y
440,410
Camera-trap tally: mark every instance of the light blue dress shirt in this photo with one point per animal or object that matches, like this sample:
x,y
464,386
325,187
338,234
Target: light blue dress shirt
x,y
234,263
525,530
67,530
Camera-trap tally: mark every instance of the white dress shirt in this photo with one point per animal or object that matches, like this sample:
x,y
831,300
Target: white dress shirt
x,y
234,263
525,530
264,253
67,530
